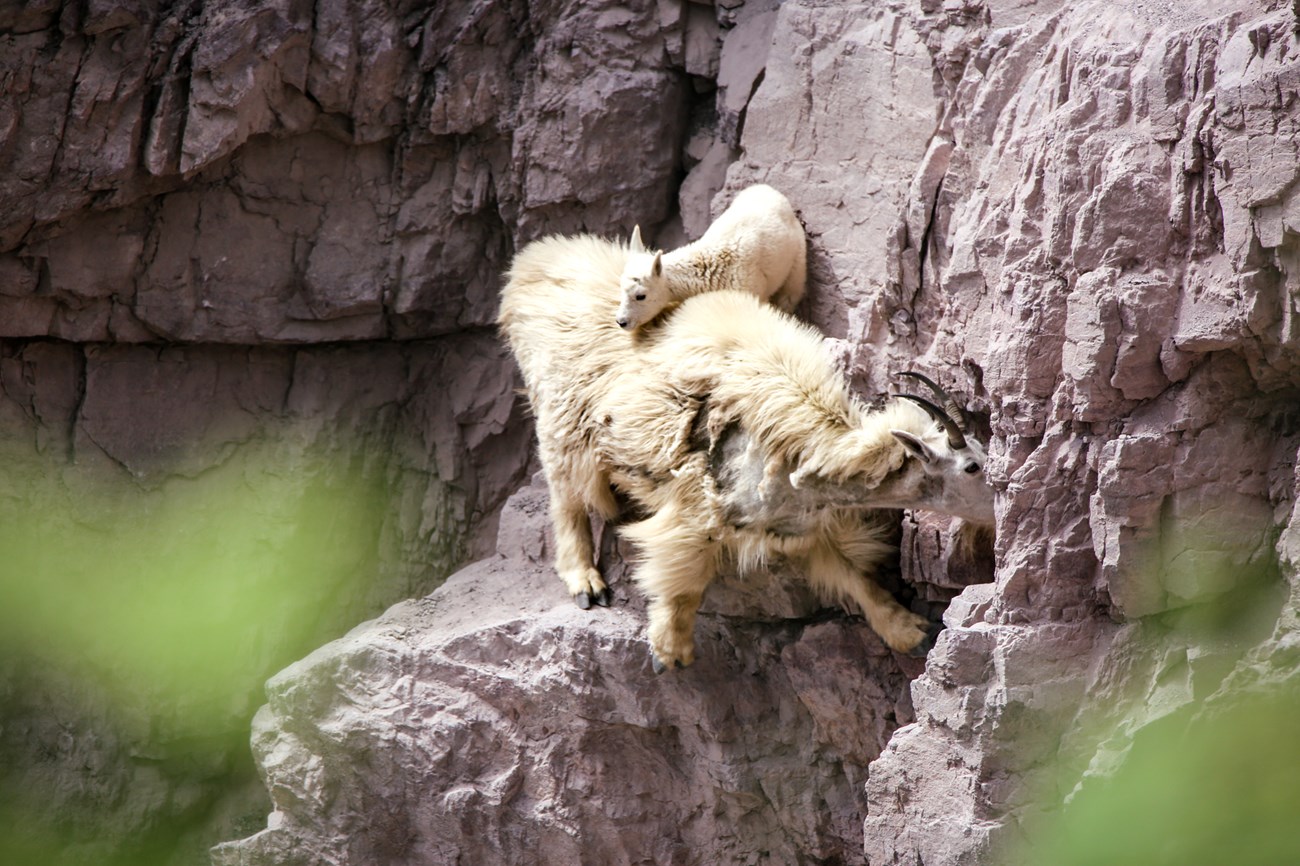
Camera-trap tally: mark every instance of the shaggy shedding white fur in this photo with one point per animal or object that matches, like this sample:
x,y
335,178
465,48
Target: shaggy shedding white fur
x,y
727,423
757,245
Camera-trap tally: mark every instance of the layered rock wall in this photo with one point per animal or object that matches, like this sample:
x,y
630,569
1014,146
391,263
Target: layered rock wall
x,y
1079,217
249,252
504,724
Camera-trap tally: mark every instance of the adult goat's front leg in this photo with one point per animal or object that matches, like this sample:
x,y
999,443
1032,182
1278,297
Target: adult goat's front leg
x,y
679,561
672,631
835,578
575,551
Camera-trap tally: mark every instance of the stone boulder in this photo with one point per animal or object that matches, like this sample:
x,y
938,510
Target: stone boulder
x,y
495,721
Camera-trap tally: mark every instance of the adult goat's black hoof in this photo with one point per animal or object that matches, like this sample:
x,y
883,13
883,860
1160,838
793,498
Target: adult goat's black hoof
x,y
922,649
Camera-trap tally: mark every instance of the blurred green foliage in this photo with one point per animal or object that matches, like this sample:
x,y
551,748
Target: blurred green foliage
x,y
1211,775
1217,788
137,626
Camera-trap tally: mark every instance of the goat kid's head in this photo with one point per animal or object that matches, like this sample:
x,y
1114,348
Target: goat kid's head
x,y
643,291
952,463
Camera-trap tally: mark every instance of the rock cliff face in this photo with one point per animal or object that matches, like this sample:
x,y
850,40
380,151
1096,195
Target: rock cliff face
x,y
500,723
227,218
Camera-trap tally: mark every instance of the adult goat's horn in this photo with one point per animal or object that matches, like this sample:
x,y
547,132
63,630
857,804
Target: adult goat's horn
x,y
956,441
950,405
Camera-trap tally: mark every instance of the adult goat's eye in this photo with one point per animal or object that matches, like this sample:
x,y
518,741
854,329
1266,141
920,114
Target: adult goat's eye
x,y
641,297
972,468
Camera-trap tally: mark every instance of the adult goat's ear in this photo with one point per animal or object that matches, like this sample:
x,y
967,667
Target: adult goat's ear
x,y
914,446
636,244
658,267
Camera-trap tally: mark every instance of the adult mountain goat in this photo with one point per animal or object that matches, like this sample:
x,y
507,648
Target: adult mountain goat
x,y
757,245
728,425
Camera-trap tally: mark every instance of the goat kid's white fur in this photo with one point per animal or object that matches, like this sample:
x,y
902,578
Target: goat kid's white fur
x,y
757,245
652,414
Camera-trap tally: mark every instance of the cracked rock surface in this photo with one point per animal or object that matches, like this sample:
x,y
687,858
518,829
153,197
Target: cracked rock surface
x,y
544,736
1082,218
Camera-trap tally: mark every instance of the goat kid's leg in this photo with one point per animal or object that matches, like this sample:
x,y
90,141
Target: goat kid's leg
x,y
834,577
575,552
791,292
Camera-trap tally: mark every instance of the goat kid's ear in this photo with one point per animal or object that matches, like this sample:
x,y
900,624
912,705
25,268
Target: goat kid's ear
x,y
914,446
637,245
658,267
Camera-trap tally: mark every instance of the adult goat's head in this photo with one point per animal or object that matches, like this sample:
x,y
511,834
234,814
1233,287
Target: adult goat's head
x,y
643,290
950,461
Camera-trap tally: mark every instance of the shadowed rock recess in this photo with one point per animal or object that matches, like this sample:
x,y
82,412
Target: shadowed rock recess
x,y
281,225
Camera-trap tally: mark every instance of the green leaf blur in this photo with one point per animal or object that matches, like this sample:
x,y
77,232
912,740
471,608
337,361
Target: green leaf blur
x,y
1209,781
1221,788
138,625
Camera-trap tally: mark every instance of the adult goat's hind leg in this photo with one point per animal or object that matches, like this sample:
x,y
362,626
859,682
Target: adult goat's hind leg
x,y
836,578
678,563
575,554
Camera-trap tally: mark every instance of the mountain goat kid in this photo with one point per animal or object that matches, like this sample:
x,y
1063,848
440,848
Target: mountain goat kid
x,y
729,426
757,245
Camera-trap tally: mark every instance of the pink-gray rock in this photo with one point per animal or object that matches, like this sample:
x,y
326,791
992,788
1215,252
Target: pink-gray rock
x,y
279,172
503,724
1058,210
187,183
1082,218
1139,377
